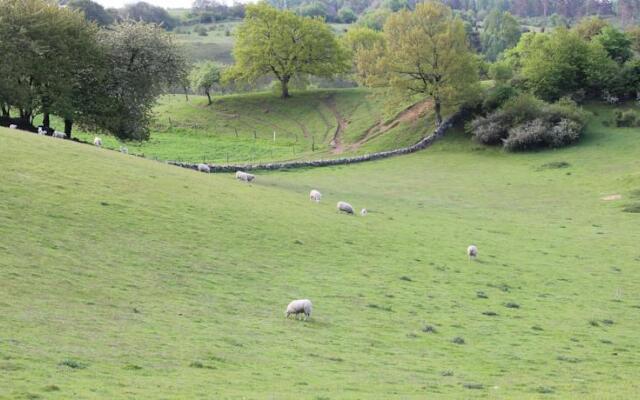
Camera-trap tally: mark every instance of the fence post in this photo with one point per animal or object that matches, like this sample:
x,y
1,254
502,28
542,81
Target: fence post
x,y
236,130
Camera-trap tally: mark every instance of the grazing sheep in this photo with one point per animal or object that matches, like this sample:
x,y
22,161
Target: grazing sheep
x,y
124,150
243,176
97,141
364,212
315,196
298,307
59,135
41,130
13,126
345,207
204,168
472,252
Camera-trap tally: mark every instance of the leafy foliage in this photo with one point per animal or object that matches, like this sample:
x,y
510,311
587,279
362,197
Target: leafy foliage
x,y
427,53
501,32
527,123
204,76
140,60
284,45
92,11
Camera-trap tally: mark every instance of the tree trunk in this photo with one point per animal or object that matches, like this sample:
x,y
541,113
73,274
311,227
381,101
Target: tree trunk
x,y
208,97
285,87
437,108
46,120
68,125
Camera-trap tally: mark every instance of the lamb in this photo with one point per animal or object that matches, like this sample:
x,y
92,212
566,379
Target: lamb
x,y
472,252
345,207
97,142
243,176
298,307
204,168
59,135
315,196
13,126
41,130
124,150
364,212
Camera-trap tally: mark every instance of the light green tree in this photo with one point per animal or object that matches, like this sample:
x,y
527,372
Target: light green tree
x,y
283,45
501,32
204,76
561,63
427,54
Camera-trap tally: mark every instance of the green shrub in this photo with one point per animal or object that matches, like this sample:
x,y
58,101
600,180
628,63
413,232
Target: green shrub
x,y
527,123
498,96
627,119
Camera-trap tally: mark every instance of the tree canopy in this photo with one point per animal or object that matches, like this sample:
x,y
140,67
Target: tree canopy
x,y
283,45
427,53
204,76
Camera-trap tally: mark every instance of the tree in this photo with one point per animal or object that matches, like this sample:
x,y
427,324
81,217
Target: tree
x,y
50,47
204,76
634,36
346,15
587,28
427,54
617,44
374,19
283,44
562,63
365,46
146,12
140,61
92,11
501,32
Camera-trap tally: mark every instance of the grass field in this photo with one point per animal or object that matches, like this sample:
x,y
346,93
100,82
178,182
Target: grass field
x,y
240,128
127,278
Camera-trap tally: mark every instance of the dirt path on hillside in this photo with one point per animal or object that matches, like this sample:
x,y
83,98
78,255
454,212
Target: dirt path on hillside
x,y
336,142
409,114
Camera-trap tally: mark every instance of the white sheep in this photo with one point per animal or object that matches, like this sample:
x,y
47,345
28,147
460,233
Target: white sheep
x,y
364,212
41,131
13,126
298,307
59,135
243,176
204,168
97,142
124,150
315,196
472,252
345,207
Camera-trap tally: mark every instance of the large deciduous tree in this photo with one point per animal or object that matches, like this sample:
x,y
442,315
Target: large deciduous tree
x,y
501,32
45,49
562,63
140,62
283,45
427,54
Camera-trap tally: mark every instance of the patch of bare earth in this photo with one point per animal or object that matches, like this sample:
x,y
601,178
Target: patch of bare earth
x,y
410,114
612,197
336,142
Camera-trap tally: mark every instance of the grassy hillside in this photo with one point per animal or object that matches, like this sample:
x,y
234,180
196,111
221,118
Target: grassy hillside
x,y
126,278
240,128
217,45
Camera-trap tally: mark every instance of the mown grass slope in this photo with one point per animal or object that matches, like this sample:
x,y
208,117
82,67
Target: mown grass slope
x,y
311,124
126,278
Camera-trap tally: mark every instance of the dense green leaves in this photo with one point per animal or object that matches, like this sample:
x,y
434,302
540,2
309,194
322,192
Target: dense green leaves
x,y
204,76
501,32
284,45
427,54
